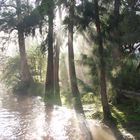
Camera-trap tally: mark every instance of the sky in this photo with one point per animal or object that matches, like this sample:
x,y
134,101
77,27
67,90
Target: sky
x,y
9,47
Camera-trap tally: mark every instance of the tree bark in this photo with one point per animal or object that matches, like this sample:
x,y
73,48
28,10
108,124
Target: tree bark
x,y
25,74
49,84
103,90
56,72
52,91
56,59
74,88
117,54
117,4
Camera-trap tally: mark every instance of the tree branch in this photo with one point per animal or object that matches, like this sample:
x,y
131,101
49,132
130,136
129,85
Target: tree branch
x,y
7,6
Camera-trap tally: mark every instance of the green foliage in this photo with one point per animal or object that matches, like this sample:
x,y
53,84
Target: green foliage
x,y
31,21
88,98
85,87
7,21
33,89
37,63
126,112
84,15
129,28
46,7
93,63
8,15
11,74
129,76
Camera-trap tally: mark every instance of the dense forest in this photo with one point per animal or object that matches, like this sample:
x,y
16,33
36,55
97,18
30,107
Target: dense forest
x,y
83,54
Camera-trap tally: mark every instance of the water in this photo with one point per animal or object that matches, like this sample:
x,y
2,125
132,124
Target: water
x,y
27,118
21,117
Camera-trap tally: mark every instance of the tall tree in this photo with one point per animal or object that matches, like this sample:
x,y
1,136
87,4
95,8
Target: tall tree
x,y
115,32
49,84
52,94
72,72
56,72
117,4
12,14
37,18
103,89
26,77
57,46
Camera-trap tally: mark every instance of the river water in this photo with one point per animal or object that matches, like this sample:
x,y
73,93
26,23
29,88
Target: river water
x,y
21,117
27,118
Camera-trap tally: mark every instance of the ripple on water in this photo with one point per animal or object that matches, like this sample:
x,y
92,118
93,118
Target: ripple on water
x,y
21,118
8,124
27,118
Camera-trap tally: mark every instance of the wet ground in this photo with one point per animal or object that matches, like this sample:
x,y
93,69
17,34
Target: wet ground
x,y
28,118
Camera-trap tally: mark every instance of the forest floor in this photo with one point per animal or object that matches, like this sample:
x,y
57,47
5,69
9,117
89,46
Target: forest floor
x,y
126,117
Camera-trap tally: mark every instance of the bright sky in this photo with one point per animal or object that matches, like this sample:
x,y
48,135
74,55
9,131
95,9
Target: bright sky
x,y
9,47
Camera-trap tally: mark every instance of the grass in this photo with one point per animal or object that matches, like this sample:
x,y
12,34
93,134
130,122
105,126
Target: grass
x,y
126,116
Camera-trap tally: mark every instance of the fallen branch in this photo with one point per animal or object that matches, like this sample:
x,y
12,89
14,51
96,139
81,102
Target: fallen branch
x,y
129,94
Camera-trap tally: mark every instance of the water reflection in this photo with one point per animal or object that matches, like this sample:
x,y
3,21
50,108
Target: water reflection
x,y
21,117
27,118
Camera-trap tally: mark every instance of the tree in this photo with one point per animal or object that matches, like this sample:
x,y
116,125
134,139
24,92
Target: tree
x,y
44,15
26,77
52,94
74,88
12,14
58,43
103,90
49,84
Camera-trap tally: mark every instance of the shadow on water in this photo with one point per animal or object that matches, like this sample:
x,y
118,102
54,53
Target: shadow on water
x,y
65,124
28,118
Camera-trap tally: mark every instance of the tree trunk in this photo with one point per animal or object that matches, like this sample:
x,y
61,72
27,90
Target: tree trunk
x,y
49,84
25,74
74,88
56,72
103,90
117,4
56,58
52,93
117,52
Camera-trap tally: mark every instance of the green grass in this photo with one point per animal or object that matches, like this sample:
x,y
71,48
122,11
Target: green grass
x,y
126,116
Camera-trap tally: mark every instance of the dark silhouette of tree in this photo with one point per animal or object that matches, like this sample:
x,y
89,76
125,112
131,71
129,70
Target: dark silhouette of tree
x,y
26,77
52,93
72,73
102,69
10,20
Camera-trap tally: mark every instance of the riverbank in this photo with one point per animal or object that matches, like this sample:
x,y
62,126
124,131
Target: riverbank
x,y
125,118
